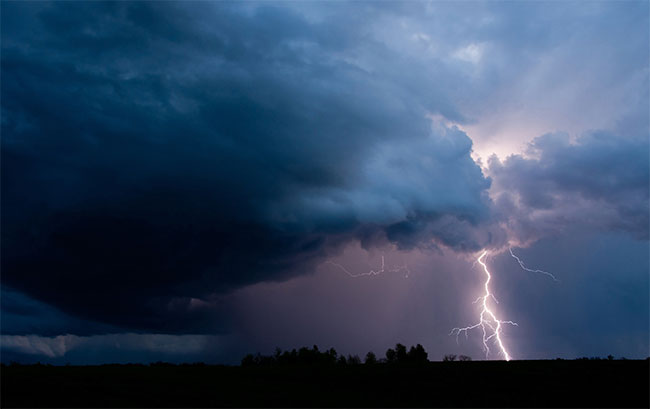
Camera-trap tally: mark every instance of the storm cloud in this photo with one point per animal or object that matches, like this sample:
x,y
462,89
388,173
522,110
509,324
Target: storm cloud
x,y
151,154
159,156
598,182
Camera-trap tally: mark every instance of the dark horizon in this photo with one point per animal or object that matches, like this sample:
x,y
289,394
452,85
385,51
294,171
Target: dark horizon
x,y
303,356
580,383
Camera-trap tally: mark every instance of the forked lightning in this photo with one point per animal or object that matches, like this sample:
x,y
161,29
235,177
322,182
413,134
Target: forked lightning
x,y
395,269
521,263
489,324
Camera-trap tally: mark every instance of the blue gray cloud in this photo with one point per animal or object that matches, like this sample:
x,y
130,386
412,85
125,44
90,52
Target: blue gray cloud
x,y
112,348
158,155
598,182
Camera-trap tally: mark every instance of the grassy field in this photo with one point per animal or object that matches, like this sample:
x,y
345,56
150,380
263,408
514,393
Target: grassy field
x,y
560,383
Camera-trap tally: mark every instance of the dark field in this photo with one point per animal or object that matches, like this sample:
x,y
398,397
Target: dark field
x,y
437,384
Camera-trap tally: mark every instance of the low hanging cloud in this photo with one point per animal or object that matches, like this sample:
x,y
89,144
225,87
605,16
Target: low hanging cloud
x,y
69,347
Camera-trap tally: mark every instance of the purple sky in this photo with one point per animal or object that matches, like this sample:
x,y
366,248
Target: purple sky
x,y
178,178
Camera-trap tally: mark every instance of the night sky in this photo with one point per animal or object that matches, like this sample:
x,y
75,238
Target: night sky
x,y
184,181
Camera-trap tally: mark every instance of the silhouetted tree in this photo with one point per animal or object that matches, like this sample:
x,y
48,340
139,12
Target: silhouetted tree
x,y
417,354
464,358
331,355
265,360
342,360
287,358
449,358
303,355
401,354
354,360
391,356
371,358
248,360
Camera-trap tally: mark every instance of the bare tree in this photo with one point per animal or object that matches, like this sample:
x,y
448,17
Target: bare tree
x,y
449,358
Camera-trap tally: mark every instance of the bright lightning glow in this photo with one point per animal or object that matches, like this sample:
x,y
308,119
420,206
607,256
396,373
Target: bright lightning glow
x,y
489,324
395,269
521,263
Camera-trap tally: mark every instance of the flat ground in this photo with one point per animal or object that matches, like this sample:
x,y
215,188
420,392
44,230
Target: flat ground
x,y
437,384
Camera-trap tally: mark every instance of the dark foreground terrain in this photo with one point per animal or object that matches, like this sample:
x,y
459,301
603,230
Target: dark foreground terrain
x,y
437,384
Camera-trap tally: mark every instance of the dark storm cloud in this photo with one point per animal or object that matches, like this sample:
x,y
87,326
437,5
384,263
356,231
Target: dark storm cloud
x,y
598,182
156,153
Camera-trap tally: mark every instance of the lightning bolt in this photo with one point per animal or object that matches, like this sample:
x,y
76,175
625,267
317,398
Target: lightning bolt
x,y
489,324
382,270
521,263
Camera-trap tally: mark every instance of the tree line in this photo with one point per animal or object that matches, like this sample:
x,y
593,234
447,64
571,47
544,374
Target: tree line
x,y
313,356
